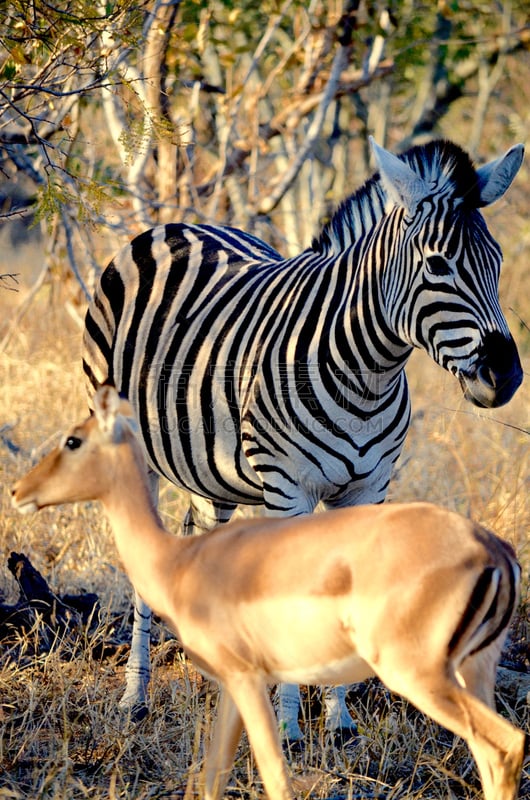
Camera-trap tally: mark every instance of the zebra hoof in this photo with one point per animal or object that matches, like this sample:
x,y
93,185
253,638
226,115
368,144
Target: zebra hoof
x,y
139,712
293,747
135,713
344,737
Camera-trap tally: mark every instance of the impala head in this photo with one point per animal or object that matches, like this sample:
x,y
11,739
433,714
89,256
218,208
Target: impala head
x,y
82,466
448,302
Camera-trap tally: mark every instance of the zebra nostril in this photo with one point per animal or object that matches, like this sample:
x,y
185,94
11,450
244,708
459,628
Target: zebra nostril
x,y
487,376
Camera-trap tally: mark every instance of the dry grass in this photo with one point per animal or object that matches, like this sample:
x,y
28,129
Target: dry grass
x,y
61,735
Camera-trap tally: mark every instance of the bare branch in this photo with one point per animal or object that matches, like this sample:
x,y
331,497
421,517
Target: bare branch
x,y
9,278
340,63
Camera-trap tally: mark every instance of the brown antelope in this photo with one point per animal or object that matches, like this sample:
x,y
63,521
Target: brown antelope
x,y
414,594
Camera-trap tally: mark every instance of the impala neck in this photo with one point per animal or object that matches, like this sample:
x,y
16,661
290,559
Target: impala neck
x,y
146,549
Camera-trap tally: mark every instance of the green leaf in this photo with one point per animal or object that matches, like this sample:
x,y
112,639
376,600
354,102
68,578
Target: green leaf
x,y
9,71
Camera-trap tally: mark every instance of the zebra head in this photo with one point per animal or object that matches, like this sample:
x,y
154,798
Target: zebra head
x,y
446,301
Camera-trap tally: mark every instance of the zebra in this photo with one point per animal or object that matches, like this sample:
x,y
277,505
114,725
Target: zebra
x,y
261,380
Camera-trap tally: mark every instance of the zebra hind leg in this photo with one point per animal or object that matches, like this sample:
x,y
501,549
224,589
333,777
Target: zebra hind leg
x,y
339,723
138,668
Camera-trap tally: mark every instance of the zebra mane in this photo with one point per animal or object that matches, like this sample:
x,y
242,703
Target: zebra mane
x,y
442,164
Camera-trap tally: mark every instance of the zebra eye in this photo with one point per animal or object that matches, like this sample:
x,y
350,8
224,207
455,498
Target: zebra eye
x,y
438,266
73,443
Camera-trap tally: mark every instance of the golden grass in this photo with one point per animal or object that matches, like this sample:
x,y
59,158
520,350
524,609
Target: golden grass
x,y
61,735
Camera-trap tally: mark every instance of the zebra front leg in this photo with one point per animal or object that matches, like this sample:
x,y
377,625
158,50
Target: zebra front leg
x,y
203,515
138,669
287,707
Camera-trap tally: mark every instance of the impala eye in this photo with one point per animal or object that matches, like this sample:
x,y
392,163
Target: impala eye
x,y
438,266
73,442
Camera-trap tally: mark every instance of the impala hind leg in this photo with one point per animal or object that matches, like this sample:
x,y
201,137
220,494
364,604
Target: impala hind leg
x,y
220,756
479,673
497,746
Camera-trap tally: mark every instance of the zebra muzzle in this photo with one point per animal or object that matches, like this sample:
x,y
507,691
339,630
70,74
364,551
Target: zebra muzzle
x,y
497,374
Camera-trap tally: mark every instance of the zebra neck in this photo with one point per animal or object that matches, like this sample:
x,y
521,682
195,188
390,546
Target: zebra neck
x,y
363,334
360,235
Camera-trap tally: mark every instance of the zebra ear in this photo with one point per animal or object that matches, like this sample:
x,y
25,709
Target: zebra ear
x,y
400,182
495,177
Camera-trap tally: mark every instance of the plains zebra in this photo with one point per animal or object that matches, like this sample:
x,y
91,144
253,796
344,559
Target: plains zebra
x,y
263,380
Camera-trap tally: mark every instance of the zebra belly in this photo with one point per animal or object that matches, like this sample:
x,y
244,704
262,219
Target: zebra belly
x,y
346,464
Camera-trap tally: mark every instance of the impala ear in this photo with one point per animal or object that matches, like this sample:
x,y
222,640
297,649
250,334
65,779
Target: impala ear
x,y
401,184
109,408
495,177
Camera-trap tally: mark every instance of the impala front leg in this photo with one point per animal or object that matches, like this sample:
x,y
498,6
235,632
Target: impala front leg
x,y
220,756
251,695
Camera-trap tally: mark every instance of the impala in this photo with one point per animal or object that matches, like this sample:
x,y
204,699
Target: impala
x,y
412,593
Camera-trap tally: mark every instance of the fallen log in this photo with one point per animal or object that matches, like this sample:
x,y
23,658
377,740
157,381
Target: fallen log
x,y
58,615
